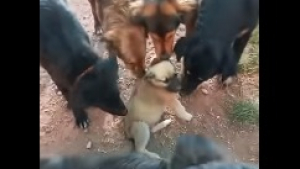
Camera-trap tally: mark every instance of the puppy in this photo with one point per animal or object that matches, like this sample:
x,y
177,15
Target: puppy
x,y
84,79
158,88
120,34
223,30
185,159
161,18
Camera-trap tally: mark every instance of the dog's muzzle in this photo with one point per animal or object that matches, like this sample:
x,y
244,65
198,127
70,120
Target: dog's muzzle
x,y
174,85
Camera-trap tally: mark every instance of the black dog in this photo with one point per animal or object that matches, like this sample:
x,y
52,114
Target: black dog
x,y
84,79
222,31
190,151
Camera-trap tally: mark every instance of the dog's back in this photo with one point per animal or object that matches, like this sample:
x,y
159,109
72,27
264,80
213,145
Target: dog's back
x,y
126,161
64,44
225,19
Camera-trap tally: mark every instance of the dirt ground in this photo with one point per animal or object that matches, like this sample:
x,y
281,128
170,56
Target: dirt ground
x,y
58,134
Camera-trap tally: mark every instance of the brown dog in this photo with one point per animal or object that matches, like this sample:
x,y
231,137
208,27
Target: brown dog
x,y
120,34
161,18
157,89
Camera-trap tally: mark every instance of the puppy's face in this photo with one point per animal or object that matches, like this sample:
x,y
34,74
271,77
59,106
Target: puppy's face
x,y
194,150
100,87
161,19
163,75
199,63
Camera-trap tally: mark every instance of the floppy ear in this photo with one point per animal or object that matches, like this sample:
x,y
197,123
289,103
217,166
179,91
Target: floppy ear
x,y
180,48
149,75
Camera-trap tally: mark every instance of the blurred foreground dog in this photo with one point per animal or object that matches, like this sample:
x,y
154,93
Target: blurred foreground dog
x,y
84,79
158,89
215,47
121,35
191,152
161,18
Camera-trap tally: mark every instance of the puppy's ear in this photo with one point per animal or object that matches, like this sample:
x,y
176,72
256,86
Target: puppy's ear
x,y
149,75
155,61
180,48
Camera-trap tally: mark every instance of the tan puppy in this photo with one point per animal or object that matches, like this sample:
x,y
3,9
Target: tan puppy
x,y
156,90
123,36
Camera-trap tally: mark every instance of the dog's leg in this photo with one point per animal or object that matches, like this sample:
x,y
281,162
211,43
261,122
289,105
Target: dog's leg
x,y
95,16
180,111
230,67
161,125
141,135
240,44
81,117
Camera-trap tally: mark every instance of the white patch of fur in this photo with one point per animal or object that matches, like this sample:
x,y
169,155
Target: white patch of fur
x,y
136,6
228,81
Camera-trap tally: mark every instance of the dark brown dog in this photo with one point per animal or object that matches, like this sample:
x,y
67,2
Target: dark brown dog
x,y
121,35
161,18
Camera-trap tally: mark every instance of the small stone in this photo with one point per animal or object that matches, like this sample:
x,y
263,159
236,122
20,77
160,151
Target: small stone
x,y
89,145
204,91
85,130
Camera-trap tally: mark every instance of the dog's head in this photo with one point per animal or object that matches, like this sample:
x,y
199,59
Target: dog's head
x,y
130,45
163,75
200,62
194,150
100,87
161,18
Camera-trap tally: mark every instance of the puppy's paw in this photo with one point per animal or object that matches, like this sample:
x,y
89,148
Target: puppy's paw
x,y
152,155
161,125
82,121
188,116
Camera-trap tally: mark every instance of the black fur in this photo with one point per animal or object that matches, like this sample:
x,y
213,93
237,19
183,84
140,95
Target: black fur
x,y
216,47
190,151
84,79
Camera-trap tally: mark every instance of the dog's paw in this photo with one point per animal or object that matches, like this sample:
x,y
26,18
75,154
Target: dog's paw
x,y
82,121
228,81
188,116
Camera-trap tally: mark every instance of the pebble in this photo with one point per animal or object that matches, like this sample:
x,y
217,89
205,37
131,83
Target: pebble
x,y
89,145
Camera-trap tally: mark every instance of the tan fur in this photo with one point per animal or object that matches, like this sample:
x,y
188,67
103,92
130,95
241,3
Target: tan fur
x,y
147,104
163,43
127,39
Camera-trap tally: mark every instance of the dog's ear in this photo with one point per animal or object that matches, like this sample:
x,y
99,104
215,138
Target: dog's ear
x,y
180,48
149,75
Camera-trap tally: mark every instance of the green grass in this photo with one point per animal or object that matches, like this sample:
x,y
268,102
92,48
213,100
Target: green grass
x,y
244,112
249,62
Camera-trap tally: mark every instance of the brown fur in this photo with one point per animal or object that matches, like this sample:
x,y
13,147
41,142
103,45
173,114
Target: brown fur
x,y
147,104
121,35
165,14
